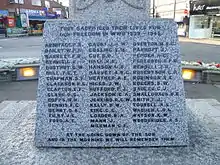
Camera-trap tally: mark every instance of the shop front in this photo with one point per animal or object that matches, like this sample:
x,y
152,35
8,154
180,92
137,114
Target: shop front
x,y
204,19
36,20
8,25
3,22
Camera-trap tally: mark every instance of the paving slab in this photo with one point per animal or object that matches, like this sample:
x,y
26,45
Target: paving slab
x,y
204,108
4,104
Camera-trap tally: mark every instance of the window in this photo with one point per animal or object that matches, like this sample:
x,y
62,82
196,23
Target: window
x,y
216,25
47,4
202,22
16,1
36,2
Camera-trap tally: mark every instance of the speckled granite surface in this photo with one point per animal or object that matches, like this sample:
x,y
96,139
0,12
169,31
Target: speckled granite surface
x,y
111,83
109,9
17,143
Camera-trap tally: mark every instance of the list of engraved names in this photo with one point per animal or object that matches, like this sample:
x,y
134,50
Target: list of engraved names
x,y
117,82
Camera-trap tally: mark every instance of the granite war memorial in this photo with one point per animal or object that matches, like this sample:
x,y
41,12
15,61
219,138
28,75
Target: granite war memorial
x,y
111,77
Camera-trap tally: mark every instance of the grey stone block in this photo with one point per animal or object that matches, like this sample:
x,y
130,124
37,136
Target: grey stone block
x,y
111,84
109,9
211,77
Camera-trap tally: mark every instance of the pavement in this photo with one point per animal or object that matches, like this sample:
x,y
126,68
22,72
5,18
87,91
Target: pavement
x,y
200,41
30,47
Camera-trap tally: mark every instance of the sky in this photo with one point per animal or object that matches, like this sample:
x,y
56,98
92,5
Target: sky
x,y
65,2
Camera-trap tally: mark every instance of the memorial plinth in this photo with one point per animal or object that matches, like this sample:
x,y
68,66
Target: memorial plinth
x,y
111,84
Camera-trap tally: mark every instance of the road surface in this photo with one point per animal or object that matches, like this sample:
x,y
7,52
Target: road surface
x,y
29,47
20,47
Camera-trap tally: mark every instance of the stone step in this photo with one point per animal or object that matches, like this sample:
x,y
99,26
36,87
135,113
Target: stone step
x,y
205,108
10,111
4,105
3,123
12,108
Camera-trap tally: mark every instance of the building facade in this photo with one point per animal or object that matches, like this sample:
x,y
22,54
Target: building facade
x,y
203,15
29,14
15,6
173,9
204,18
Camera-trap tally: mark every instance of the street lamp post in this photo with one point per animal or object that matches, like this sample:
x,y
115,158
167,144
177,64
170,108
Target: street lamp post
x,y
153,8
19,7
174,10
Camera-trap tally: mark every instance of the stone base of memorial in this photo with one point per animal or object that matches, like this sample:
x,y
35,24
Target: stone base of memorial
x,y
17,141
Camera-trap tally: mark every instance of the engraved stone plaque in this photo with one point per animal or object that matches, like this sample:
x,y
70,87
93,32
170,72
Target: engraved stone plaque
x,y
111,84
